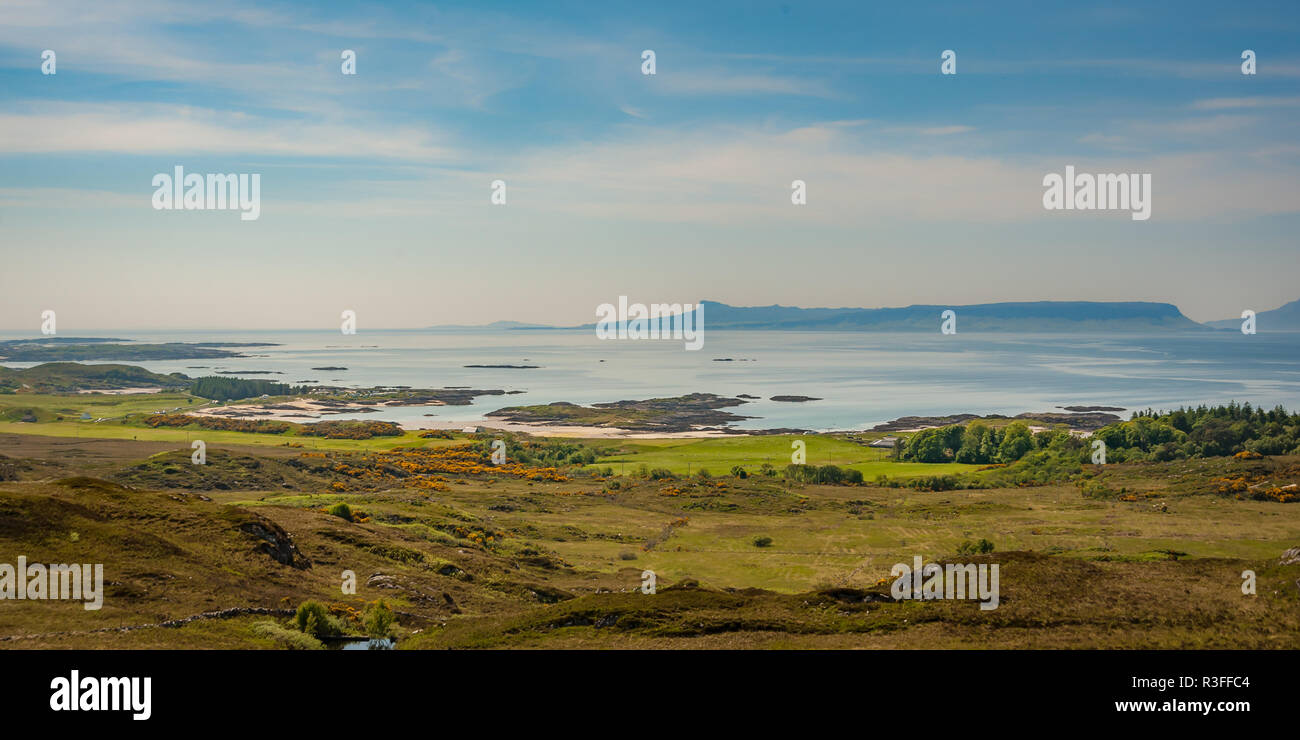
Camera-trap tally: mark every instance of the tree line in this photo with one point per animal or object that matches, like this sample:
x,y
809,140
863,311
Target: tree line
x,y
220,388
1203,431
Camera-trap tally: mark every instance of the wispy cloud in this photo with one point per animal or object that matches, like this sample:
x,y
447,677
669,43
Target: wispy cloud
x,y
732,176
719,82
1252,102
165,129
936,130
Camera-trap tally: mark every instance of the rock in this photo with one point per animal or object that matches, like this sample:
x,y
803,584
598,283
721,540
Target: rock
x,y
275,543
379,580
451,603
1291,557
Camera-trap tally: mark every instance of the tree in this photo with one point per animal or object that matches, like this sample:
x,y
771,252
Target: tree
x,y
1016,441
975,444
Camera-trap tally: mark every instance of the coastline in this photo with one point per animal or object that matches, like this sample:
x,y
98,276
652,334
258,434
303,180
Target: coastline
x,y
543,429
306,410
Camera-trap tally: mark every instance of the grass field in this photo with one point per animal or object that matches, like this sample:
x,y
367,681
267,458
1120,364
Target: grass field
x,y
115,408
98,405
566,557
718,455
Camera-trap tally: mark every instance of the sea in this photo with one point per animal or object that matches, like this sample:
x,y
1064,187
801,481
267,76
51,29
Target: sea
x,y
859,379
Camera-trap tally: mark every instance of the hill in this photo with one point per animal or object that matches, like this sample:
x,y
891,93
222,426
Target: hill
x,y
69,377
1036,316
54,349
499,557
1283,318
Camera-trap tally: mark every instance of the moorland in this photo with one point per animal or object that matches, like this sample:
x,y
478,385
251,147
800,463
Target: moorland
x,y
550,548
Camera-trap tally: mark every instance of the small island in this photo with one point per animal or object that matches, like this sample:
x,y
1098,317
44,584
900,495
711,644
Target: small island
x,y
1092,408
688,413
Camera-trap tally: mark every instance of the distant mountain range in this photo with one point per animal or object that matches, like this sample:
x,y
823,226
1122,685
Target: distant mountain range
x,y
1285,318
1029,317
1032,316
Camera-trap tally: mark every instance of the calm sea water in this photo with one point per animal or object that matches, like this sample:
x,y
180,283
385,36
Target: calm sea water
x,y
862,378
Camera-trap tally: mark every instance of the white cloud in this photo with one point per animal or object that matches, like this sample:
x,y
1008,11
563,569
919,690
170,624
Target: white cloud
x,y
167,129
1208,126
737,176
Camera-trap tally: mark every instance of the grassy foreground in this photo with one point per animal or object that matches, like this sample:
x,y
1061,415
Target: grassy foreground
x,y
480,557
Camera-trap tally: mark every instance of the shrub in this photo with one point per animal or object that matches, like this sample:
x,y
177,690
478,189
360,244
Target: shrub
x,y
1097,489
739,472
825,474
378,620
341,510
219,423
762,542
286,638
351,429
983,547
313,618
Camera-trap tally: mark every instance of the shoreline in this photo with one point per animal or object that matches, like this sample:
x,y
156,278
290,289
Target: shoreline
x,y
306,411
542,429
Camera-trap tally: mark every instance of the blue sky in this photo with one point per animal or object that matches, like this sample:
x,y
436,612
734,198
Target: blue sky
x,y
922,188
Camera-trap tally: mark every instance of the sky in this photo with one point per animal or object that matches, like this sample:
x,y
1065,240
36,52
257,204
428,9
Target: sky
x,y
376,188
